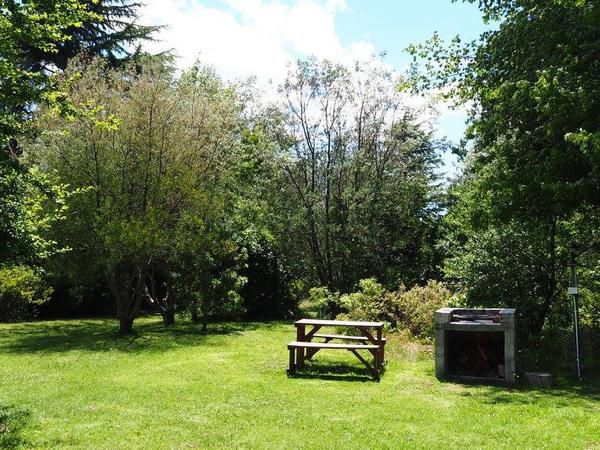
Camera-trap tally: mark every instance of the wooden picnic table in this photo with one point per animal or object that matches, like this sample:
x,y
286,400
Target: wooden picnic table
x,y
370,339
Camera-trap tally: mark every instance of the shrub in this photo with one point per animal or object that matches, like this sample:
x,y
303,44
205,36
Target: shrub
x,y
22,289
372,302
412,310
418,305
267,293
320,303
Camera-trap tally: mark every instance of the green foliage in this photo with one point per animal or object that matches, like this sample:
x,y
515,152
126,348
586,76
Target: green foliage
x,y
417,307
535,107
412,310
533,169
31,203
41,26
519,263
358,177
266,293
22,289
372,302
206,271
320,303
109,30
37,37
30,200
155,151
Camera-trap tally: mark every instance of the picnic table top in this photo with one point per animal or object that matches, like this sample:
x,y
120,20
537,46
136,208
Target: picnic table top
x,y
339,323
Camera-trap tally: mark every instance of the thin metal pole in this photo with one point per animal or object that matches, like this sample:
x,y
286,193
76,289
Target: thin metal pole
x,y
576,321
575,295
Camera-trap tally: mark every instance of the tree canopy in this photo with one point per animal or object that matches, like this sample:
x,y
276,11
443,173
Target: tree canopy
x,y
533,165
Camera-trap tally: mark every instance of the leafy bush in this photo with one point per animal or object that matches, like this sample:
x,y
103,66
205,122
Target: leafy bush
x,y
372,302
267,293
320,303
412,310
418,305
21,290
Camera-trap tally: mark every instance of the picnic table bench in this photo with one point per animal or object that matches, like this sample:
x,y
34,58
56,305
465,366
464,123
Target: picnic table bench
x,y
371,340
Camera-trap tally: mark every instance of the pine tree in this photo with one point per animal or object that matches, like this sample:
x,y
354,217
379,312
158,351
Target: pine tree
x,y
115,36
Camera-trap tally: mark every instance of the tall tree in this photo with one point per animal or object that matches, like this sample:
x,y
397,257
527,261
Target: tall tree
x,y
156,152
534,85
359,172
29,200
41,27
36,37
110,32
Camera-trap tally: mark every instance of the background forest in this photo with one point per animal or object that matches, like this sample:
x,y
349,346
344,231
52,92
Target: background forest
x,y
128,186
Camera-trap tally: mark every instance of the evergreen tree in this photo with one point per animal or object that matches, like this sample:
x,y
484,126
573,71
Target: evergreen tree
x,y
111,33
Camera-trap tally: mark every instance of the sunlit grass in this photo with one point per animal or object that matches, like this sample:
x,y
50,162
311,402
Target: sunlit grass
x,y
84,387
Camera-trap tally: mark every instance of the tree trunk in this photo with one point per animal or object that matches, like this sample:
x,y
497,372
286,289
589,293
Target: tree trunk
x,y
169,317
195,317
125,326
204,324
164,305
127,290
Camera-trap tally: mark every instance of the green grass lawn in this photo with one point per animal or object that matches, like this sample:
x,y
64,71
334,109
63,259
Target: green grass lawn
x,y
81,386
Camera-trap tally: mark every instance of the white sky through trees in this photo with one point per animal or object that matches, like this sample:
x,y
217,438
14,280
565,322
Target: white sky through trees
x,y
243,38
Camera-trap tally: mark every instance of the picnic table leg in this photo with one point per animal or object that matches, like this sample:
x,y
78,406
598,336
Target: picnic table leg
x,y
381,350
300,335
292,365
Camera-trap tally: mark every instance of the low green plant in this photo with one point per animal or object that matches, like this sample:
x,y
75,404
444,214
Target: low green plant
x,y
412,310
22,289
12,422
372,302
417,307
320,303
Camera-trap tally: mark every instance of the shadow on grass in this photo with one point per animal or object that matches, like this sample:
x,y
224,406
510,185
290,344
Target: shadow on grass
x,y
12,422
150,335
564,393
337,371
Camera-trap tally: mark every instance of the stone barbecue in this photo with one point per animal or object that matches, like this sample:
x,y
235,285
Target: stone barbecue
x,y
475,344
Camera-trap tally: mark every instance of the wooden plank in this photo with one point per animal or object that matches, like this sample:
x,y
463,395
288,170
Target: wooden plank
x,y
321,345
343,337
379,356
311,333
310,352
292,365
369,336
364,361
338,323
300,334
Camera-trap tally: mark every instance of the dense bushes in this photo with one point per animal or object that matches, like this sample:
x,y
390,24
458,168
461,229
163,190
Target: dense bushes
x,y
22,289
320,303
266,293
412,310
372,302
418,305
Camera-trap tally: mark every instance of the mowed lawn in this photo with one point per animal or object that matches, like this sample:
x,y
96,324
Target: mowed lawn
x,y
84,387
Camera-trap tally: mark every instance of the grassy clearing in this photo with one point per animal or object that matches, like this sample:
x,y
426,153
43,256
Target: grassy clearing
x,y
84,387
